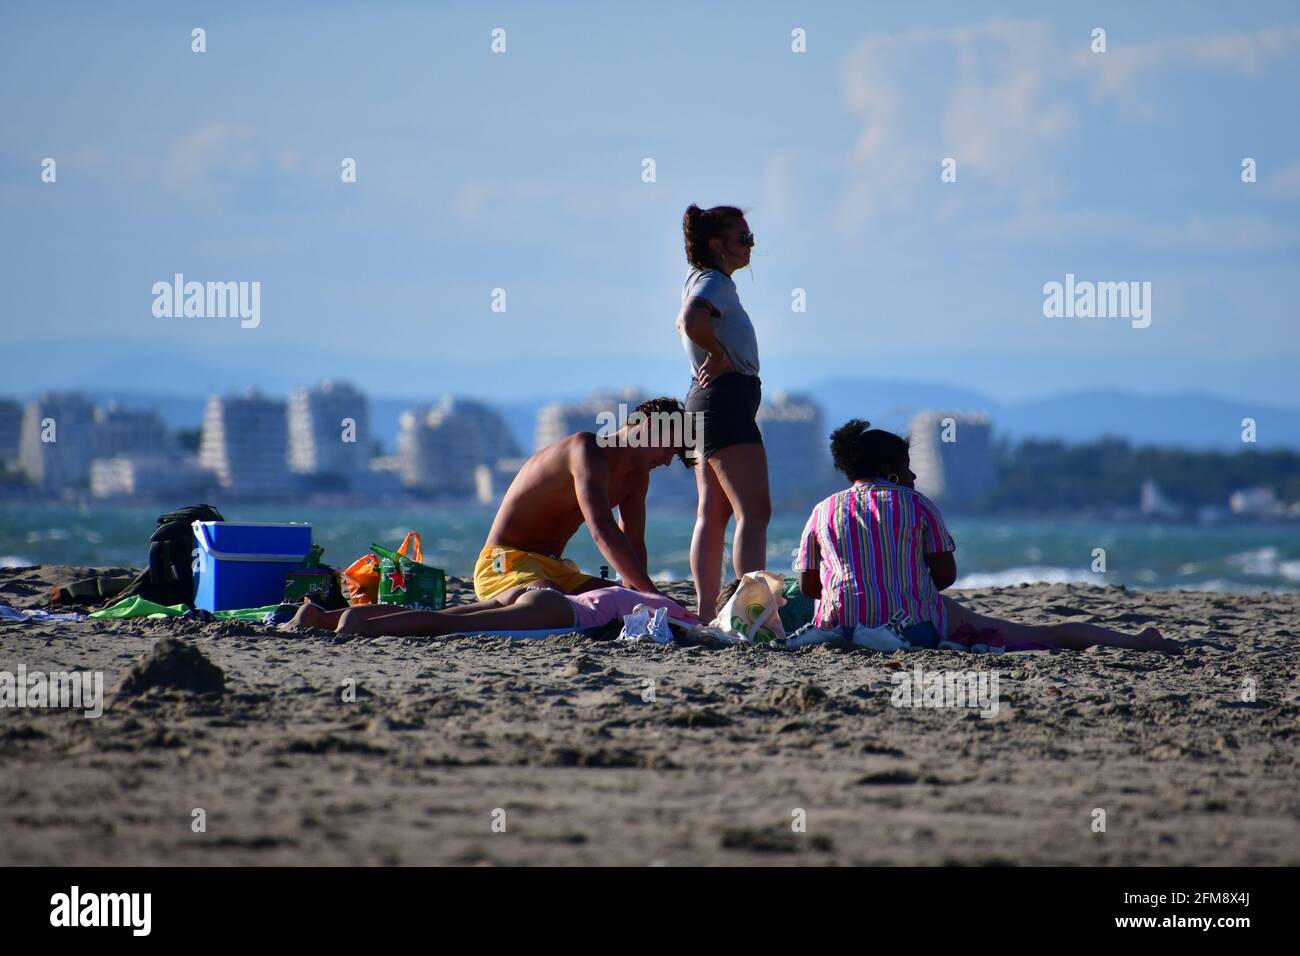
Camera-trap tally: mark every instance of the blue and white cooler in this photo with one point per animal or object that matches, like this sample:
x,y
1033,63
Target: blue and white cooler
x,y
244,564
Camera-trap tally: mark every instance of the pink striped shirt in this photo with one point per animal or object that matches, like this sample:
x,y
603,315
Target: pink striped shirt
x,y
869,544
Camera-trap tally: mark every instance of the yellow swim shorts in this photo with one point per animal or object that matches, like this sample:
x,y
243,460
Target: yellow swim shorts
x,y
500,568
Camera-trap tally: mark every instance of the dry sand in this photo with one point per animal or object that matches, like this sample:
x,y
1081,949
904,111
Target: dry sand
x,y
558,735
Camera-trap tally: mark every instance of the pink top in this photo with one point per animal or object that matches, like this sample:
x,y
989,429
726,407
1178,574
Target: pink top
x,y
593,608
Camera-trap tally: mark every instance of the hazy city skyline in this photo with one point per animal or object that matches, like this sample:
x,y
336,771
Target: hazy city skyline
x,y
317,445
318,441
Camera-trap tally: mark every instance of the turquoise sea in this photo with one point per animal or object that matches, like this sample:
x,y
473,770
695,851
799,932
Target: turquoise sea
x,y
990,551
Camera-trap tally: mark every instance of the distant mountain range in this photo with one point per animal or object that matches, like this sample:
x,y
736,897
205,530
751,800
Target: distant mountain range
x,y
178,386
1194,420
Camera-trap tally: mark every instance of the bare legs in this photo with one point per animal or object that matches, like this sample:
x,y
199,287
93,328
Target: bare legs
x,y
732,481
313,615
516,609
711,516
1068,636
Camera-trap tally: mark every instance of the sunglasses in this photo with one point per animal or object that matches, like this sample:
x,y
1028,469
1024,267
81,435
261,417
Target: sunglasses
x,y
745,238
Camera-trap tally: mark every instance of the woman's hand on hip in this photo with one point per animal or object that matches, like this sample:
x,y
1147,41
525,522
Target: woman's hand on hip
x,y
714,367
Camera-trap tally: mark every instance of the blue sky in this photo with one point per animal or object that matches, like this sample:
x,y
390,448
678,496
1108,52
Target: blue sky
x,y
522,170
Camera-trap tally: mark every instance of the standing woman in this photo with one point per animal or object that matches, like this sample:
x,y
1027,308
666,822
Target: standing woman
x,y
720,342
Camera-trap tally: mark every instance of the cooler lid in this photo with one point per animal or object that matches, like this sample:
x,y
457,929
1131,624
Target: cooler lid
x,y
253,540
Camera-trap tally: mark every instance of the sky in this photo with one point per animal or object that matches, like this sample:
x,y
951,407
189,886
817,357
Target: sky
x,y
524,170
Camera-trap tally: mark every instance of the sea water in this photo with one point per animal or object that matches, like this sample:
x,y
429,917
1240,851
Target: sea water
x,y
990,551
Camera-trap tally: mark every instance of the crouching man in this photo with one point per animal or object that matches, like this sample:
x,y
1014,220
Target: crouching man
x,y
581,479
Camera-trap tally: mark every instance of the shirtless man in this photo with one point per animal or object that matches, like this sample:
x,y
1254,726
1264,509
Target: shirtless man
x,y
573,481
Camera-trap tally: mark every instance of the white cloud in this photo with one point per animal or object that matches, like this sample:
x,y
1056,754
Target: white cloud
x,y
1000,98
478,199
1122,70
783,193
1002,107
1284,184
208,162
217,148
1206,233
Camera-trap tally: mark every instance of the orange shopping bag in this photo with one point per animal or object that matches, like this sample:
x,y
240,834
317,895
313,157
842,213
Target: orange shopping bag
x,y
361,580
411,547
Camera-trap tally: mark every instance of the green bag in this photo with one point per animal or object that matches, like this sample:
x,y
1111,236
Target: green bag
x,y
798,608
405,580
309,575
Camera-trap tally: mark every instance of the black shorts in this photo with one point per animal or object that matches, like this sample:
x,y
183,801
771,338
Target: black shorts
x,y
727,410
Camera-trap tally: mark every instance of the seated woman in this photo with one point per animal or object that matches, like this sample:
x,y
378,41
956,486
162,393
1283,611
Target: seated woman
x,y
540,606
880,549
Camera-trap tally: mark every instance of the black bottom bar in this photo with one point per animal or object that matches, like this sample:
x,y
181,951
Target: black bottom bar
x,y
337,905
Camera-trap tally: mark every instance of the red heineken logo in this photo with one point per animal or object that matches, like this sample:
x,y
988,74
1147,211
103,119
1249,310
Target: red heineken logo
x,y
398,580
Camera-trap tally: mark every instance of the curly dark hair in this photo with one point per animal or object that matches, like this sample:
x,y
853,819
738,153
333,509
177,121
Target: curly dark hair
x,y
666,405
860,451
701,225
724,596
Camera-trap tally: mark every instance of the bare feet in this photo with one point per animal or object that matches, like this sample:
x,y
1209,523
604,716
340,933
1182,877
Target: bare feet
x,y
1152,640
309,615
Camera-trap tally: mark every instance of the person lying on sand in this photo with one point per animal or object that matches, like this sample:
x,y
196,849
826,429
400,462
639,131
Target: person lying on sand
x,y
539,606
580,479
880,547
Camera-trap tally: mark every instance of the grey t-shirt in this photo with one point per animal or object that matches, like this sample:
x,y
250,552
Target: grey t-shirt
x,y
734,330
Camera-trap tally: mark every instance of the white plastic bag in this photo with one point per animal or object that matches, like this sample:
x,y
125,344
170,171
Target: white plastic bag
x,y
646,624
752,613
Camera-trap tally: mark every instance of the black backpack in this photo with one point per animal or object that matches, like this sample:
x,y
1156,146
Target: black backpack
x,y
169,579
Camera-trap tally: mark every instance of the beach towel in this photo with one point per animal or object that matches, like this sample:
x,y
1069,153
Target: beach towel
x,y
968,638
887,639
134,607
8,613
592,633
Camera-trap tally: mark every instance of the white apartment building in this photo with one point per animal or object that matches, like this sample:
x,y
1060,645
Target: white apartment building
x,y
245,443
559,419
329,430
124,431
11,433
439,448
952,456
59,441
142,476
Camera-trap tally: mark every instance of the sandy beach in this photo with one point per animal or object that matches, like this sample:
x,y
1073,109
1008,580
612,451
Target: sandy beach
x,y
638,754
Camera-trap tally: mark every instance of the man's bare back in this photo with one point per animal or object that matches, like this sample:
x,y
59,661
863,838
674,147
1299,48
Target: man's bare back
x,y
577,481
540,510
